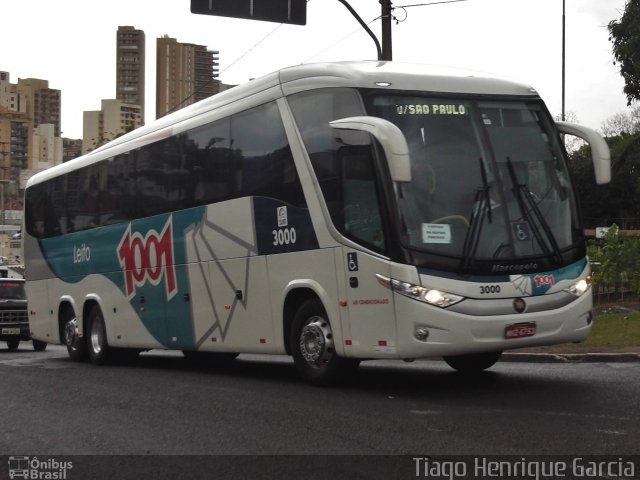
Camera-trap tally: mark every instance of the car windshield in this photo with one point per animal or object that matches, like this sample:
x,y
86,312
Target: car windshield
x,y
488,179
10,290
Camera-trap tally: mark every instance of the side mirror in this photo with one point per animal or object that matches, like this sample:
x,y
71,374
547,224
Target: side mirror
x,y
599,149
390,137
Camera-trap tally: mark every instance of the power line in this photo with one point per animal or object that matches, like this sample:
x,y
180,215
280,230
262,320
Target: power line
x,y
430,3
252,48
186,99
341,40
313,56
247,52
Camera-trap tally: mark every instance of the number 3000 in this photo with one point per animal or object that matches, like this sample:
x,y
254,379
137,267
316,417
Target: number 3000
x,y
284,236
489,289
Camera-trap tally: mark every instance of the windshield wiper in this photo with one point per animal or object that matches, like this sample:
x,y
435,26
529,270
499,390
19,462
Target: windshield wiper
x,y
525,199
483,201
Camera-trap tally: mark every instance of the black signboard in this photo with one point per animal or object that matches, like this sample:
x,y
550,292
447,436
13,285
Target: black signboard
x,y
280,11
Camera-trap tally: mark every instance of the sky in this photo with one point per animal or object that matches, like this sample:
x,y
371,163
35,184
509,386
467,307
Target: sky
x,y
71,43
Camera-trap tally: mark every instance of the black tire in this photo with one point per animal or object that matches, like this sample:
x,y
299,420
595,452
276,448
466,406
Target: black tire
x,y
312,347
75,343
39,346
473,363
13,344
96,339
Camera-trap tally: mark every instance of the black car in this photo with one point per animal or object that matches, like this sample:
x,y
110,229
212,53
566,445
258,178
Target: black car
x,y
14,319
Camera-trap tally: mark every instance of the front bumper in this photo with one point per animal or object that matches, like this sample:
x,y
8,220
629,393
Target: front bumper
x,y
455,333
14,330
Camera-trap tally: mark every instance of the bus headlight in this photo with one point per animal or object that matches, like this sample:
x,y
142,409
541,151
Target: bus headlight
x,y
580,287
428,295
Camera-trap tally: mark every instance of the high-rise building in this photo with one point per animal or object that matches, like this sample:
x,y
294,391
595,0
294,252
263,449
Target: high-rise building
x,y
185,74
43,103
115,118
130,62
29,130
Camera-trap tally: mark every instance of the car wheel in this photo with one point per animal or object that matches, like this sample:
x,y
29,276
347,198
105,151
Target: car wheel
x,y
312,347
13,344
39,346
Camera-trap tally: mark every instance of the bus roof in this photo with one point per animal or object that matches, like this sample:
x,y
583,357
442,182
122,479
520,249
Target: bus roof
x,y
398,76
363,74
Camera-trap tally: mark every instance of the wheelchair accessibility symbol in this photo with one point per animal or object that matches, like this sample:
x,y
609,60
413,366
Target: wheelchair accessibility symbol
x,y
352,261
521,231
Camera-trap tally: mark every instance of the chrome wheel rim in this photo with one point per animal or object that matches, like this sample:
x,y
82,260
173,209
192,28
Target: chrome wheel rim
x,y
316,342
71,332
97,336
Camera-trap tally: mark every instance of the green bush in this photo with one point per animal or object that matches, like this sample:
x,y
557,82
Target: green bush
x,y
615,261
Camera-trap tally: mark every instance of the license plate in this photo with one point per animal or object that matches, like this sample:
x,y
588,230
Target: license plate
x,y
10,331
519,330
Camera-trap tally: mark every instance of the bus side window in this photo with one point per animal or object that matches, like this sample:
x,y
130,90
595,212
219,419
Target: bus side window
x,y
362,218
264,160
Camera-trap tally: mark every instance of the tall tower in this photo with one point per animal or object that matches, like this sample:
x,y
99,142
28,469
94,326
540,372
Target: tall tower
x,y
130,60
185,74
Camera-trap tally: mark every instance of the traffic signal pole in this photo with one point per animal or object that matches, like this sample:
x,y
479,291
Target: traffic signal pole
x,y
386,29
384,52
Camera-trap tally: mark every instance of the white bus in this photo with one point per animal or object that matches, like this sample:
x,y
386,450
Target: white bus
x,y
332,212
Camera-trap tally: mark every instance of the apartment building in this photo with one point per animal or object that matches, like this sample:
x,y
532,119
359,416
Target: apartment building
x,y
29,129
130,67
113,119
185,74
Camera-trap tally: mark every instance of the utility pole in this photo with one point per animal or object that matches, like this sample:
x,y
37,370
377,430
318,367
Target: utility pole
x,y
563,61
385,17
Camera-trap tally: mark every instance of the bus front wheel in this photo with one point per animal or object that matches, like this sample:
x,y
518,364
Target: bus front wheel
x,y
99,350
312,346
473,363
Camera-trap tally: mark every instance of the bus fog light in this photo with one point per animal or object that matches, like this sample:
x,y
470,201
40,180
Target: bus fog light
x,y
421,333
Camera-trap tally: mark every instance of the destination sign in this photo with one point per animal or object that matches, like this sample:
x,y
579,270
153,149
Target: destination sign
x,y
431,109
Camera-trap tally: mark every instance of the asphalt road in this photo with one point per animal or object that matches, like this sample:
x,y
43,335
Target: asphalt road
x,y
258,406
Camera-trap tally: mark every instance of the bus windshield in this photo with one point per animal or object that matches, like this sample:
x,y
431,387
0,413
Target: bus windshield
x,y
489,182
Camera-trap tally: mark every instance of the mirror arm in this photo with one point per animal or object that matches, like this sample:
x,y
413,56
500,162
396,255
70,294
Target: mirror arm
x,y
390,137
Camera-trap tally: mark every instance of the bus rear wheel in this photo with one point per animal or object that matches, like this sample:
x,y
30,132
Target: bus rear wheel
x,y
99,350
473,363
312,347
76,346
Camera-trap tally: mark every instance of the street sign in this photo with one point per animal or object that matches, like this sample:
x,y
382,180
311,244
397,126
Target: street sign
x,y
280,11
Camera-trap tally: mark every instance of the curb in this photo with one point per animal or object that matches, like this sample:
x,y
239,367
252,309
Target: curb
x,y
570,357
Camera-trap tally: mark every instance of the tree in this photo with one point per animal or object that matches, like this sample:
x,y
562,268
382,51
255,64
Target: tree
x,y
571,143
622,123
625,36
617,201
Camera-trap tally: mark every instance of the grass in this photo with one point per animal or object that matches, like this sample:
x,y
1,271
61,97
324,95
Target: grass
x,y
616,329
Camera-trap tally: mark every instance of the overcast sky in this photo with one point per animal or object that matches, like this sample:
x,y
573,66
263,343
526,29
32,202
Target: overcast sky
x,y
71,43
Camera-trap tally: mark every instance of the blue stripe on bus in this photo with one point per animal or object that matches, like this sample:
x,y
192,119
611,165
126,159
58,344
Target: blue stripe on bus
x,y
157,292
